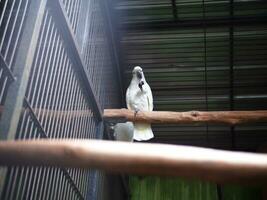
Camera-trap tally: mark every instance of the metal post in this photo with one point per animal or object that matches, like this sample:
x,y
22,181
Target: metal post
x,y
22,66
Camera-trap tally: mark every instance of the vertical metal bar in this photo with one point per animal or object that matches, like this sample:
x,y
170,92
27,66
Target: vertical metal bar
x,y
38,88
60,84
12,28
88,122
79,125
19,31
67,8
205,65
65,187
74,108
69,104
43,97
73,14
29,170
59,105
58,56
62,100
231,52
174,10
3,12
60,184
55,122
7,24
78,14
57,172
7,192
81,135
66,102
36,94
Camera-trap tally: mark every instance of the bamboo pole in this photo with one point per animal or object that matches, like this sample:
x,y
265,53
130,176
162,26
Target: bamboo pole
x,y
191,117
139,158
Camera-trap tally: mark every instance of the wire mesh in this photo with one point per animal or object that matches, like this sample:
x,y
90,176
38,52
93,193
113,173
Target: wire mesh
x,y
55,104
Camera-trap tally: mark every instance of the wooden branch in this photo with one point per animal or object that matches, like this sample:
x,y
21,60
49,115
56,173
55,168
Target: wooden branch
x,y
213,117
139,158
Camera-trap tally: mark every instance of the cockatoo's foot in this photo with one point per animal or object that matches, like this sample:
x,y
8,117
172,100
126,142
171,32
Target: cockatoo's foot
x,y
194,113
135,112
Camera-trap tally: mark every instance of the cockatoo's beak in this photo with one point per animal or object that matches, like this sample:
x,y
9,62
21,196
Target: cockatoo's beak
x,y
139,75
140,85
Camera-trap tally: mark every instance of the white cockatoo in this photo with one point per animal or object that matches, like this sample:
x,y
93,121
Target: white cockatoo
x,y
124,131
139,98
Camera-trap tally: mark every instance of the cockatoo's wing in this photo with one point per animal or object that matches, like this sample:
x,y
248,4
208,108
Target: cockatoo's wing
x,y
128,99
143,131
149,99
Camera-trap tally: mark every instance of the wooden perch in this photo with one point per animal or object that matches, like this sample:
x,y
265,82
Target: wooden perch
x,y
191,117
139,158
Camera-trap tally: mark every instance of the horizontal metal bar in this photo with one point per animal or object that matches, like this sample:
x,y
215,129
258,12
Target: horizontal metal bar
x,y
61,19
6,69
138,158
173,24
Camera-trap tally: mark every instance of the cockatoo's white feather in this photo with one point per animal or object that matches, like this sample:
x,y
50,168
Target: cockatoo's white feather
x,y
139,98
124,131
